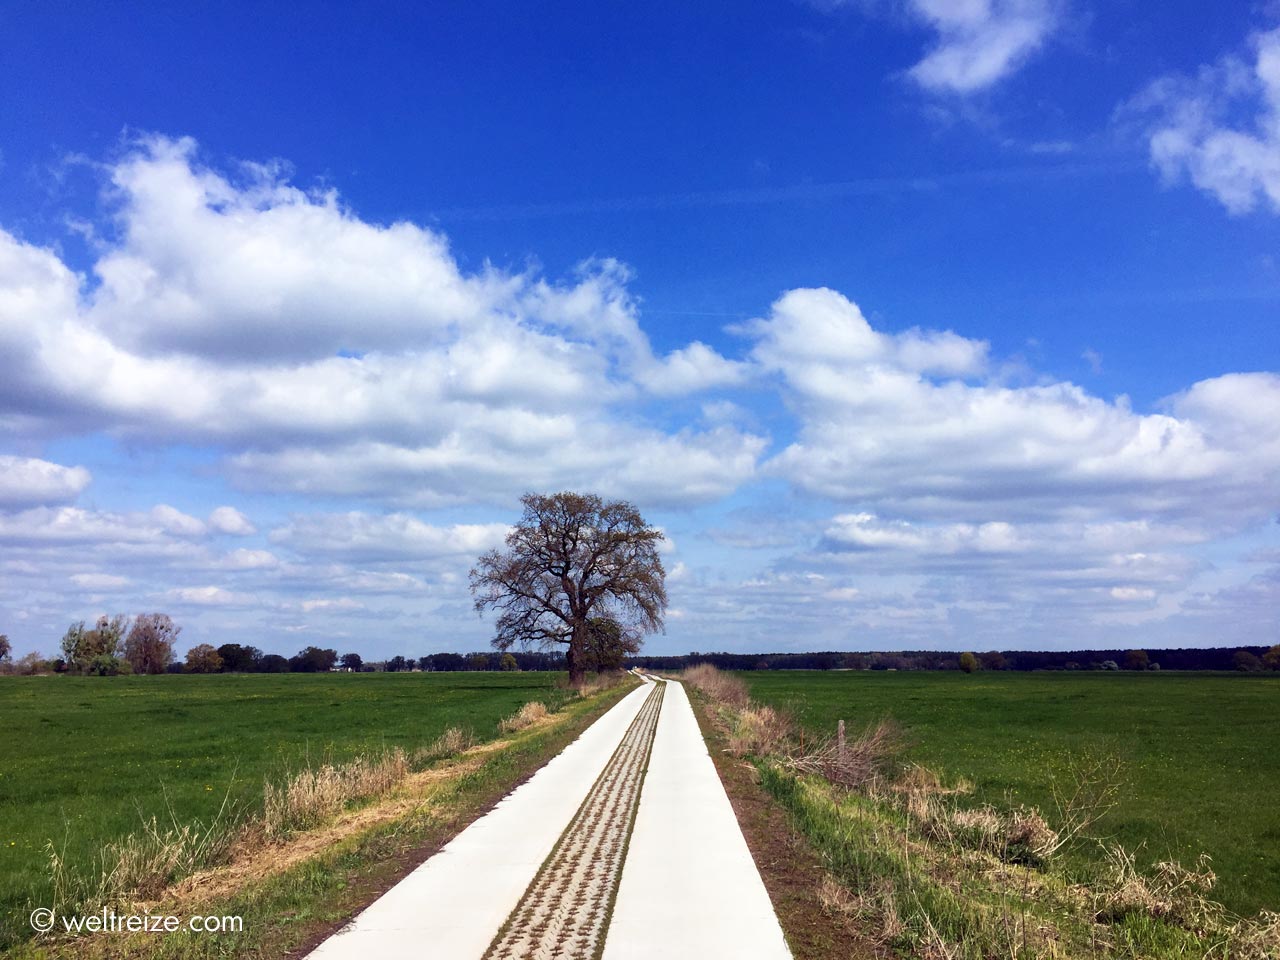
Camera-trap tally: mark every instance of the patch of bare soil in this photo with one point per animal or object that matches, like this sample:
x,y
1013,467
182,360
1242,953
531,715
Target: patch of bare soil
x,y
792,871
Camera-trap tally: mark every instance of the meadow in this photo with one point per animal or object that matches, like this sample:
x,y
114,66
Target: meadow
x,y
1200,772
86,760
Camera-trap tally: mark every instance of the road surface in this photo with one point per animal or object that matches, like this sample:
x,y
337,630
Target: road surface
x,y
623,846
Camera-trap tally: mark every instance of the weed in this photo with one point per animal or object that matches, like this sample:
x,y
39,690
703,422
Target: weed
x,y
315,794
452,742
526,716
719,686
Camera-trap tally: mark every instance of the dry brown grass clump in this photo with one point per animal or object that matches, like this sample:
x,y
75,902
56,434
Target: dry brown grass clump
x,y
1020,836
526,716
721,687
315,794
761,731
1257,939
452,742
862,764
597,682
1172,892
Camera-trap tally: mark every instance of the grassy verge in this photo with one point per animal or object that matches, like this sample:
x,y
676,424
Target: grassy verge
x,y
1197,776
293,888
924,868
88,762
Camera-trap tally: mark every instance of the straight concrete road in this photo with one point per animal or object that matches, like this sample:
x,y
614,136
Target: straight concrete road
x,y
535,877
451,907
690,888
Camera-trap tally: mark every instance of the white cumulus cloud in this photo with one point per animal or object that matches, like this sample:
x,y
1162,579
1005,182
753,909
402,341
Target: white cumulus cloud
x,y
28,482
980,42
1221,127
231,521
330,353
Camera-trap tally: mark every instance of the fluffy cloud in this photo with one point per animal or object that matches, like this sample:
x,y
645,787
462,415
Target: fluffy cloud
x,y
915,492
979,42
231,521
27,482
397,536
894,421
74,525
246,312
1221,127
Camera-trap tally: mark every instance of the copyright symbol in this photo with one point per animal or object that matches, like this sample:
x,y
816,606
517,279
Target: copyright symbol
x,y
42,920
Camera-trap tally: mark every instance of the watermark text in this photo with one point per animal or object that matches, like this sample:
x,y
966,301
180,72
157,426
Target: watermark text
x,y
45,920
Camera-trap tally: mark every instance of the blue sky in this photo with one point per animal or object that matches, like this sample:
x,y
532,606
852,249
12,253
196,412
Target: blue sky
x,y
916,323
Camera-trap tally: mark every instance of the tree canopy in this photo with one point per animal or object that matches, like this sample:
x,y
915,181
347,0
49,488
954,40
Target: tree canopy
x,y
571,558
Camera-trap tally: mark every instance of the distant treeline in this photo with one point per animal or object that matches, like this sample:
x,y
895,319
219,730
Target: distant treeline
x,y
1213,658
145,644
235,658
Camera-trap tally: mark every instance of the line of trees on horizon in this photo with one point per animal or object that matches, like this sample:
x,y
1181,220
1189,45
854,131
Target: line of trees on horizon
x,y
1243,659
145,645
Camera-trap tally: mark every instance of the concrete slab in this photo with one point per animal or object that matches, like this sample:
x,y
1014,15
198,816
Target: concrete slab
x,y
451,907
690,888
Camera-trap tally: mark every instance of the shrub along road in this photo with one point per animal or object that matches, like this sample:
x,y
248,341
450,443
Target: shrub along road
x,y
550,873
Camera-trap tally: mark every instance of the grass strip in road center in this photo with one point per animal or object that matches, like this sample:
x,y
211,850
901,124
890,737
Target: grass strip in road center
x,y
565,911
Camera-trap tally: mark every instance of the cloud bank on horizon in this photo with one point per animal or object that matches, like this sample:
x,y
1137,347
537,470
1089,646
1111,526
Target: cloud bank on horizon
x,y
366,412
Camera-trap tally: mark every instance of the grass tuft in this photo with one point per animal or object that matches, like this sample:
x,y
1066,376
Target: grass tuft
x,y
526,716
315,794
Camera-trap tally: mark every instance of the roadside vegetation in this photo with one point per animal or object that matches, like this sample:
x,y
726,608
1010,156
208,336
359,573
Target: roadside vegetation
x,y
926,864
1196,774
112,791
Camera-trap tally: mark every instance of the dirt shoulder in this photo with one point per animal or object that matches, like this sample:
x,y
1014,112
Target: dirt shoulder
x,y
792,871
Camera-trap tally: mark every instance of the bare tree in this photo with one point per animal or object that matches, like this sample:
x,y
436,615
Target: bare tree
x,y
6,648
571,558
149,646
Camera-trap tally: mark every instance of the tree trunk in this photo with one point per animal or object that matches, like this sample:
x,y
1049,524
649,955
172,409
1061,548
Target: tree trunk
x,y
577,647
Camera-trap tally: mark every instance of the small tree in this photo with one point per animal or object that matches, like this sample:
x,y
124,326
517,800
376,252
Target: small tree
x,y
1136,660
1246,662
968,662
202,658
352,662
1271,659
6,649
273,663
31,664
397,664
508,663
608,645
239,658
313,660
149,646
572,557
478,661
81,648
994,660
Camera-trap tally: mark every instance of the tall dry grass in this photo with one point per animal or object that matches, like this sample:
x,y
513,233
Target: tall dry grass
x,y
717,685
142,864
452,742
315,794
866,763
526,716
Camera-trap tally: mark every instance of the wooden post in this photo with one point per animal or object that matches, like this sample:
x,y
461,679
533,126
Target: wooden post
x,y
840,741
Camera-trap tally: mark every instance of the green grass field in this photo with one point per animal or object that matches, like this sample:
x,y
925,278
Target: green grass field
x,y
1201,766
84,760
